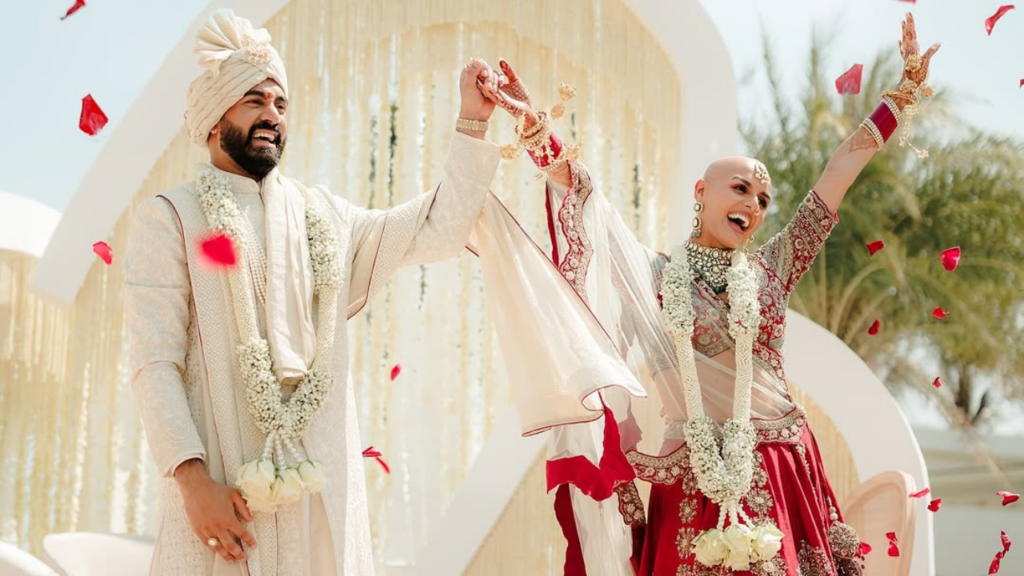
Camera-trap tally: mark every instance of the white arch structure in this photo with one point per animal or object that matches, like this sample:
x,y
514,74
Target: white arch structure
x,y
833,376
25,225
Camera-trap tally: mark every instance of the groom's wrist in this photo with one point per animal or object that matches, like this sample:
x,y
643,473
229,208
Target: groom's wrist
x,y
189,471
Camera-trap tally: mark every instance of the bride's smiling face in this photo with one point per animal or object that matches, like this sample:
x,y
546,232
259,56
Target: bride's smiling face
x,y
735,193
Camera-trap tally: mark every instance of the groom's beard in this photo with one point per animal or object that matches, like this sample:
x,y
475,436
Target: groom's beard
x,y
255,161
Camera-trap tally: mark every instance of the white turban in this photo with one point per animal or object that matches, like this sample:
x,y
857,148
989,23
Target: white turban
x,y
236,57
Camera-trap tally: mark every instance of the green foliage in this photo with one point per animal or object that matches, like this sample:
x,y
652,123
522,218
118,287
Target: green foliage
x,y
968,193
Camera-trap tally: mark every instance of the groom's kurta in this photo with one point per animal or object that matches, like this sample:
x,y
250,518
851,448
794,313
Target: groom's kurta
x,y
190,392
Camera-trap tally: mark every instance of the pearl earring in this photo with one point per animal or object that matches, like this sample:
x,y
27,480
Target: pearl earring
x,y
698,208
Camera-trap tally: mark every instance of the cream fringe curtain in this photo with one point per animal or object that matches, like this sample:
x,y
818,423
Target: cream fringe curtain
x,y
373,107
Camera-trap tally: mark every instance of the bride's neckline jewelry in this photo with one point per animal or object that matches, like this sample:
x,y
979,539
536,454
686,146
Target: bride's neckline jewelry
x,y
711,264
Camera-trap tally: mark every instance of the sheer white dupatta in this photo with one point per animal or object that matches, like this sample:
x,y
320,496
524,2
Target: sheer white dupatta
x,y
581,332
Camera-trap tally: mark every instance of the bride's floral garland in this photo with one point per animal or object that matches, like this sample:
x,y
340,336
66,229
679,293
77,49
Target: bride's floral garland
x,y
723,476
264,484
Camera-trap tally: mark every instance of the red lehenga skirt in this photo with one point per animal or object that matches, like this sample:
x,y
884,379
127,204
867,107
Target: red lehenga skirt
x,y
789,489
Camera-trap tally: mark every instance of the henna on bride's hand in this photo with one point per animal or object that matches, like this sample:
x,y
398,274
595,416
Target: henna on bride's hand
x,y
863,140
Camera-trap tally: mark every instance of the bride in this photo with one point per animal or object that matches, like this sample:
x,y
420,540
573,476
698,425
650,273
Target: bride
x,y
737,486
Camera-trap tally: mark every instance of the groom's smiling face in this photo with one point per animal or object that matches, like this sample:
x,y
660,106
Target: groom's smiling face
x,y
253,132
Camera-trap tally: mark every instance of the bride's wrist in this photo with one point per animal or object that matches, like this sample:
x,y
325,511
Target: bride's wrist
x,y
530,119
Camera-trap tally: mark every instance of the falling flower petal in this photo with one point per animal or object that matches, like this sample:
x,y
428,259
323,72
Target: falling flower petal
x,y
940,313
937,382
218,251
865,548
934,505
1008,497
990,22
921,493
1021,83
950,258
92,119
849,82
875,246
102,249
1005,541
371,452
894,546
396,371
911,1
79,4
874,327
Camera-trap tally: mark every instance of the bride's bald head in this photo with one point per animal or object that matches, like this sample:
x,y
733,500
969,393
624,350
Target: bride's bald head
x,y
735,192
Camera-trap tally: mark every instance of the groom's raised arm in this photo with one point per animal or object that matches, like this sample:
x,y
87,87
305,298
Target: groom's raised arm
x,y
436,224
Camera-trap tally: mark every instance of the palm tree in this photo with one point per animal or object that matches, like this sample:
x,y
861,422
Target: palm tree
x,y
967,194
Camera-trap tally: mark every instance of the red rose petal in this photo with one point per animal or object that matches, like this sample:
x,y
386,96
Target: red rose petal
x,y
950,258
990,22
865,549
79,4
894,547
92,119
921,493
1021,83
1005,541
102,249
218,251
875,246
937,382
874,327
911,1
371,452
1008,497
940,313
396,371
934,505
849,82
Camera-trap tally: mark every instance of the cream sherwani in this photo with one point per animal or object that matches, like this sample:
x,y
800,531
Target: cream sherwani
x,y
188,387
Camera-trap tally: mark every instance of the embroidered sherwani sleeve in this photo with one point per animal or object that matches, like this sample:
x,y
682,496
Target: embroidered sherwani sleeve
x,y
157,294
431,227
791,252
456,202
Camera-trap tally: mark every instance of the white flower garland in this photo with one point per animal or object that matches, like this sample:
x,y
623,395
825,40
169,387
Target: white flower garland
x,y
723,476
265,485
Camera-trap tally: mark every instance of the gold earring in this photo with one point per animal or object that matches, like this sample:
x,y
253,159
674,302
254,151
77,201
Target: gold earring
x,y
697,208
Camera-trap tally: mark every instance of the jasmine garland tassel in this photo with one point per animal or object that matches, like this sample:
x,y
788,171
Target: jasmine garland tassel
x,y
725,475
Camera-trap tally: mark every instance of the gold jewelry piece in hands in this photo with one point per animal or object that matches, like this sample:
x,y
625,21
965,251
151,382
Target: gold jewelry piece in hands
x,y
912,88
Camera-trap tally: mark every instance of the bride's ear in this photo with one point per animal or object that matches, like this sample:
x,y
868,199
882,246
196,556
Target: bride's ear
x,y
699,188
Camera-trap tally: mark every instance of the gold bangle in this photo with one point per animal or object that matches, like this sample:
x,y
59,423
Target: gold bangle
x,y
869,124
472,125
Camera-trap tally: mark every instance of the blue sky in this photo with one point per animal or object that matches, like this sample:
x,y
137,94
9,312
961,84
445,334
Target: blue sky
x,y
49,65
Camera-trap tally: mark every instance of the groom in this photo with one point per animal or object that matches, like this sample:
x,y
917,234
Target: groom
x,y
240,384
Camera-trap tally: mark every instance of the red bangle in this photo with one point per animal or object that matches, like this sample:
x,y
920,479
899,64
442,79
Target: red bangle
x,y
884,118
546,160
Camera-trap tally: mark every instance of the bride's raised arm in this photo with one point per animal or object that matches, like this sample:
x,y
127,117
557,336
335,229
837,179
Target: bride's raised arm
x,y
895,108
